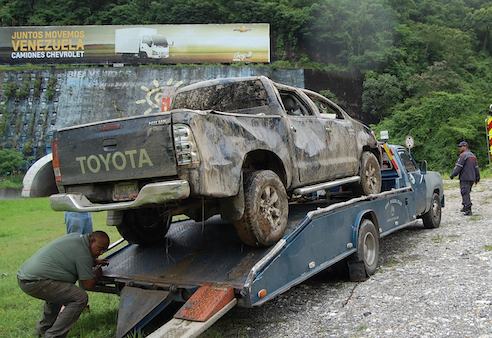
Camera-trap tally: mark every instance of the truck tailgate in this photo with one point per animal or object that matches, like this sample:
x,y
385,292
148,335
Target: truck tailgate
x,y
123,149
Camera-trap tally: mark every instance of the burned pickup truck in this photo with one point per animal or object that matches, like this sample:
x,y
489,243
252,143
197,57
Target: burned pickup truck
x,y
238,147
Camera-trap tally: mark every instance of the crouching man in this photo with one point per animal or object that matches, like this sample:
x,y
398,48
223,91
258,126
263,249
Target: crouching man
x,y
50,274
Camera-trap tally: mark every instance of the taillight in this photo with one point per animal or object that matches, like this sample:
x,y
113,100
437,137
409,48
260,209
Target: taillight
x,y
56,160
185,145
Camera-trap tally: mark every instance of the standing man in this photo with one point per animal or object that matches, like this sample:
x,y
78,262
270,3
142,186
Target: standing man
x,y
467,169
50,275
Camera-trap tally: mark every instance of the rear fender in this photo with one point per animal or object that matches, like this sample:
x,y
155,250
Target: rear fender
x,y
223,140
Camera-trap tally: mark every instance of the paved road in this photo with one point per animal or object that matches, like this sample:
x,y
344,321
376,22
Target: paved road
x,y
431,283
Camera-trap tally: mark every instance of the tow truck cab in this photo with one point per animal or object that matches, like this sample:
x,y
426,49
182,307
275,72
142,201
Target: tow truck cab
x,y
399,169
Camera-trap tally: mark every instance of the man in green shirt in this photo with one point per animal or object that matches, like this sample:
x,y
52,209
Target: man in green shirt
x,y
50,274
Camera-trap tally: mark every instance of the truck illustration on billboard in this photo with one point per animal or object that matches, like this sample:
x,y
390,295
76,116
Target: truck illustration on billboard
x,y
140,42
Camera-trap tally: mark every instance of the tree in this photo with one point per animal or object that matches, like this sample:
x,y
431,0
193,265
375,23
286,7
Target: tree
x,y
438,122
11,162
357,33
381,92
437,77
481,22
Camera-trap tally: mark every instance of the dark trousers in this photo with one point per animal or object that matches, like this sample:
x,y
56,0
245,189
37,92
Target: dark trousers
x,y
55,294
465,189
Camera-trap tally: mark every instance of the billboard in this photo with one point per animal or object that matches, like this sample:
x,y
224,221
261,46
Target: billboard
x,y
139,44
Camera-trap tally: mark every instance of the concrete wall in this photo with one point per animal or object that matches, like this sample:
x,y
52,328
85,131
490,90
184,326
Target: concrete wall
x,y
51,99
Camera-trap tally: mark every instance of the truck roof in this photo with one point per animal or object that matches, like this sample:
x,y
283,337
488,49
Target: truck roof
x,y
215,82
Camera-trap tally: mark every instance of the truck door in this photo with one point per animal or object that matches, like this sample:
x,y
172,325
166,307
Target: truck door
x,y
417,180
341,138
309,139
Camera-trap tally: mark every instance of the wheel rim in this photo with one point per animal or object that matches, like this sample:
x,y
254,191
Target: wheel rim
x,y
270,207
369,249
372,180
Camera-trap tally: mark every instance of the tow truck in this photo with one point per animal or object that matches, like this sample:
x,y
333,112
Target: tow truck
x,y
204,270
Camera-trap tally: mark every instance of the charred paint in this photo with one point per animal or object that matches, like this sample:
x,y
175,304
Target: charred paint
x,y
310,148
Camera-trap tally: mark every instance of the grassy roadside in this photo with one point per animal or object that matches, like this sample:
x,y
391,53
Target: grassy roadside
x,y
25,226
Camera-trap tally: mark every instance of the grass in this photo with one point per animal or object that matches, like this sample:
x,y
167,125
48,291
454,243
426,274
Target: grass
x,y
486,172
25,226
488,247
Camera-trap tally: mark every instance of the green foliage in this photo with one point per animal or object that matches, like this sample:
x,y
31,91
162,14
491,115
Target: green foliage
x,y
328,94
4,118
480,21
437,77
23,91
381,92
11,162
351,33
437,123
11,182
27,149
37,86
51,88
9,89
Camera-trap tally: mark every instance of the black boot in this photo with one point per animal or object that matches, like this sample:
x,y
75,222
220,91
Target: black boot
x,y
468,212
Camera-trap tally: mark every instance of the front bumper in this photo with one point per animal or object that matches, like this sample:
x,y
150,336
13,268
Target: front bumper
x,y
153,193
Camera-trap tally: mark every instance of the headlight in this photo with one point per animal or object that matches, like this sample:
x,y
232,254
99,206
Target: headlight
x,y
185,145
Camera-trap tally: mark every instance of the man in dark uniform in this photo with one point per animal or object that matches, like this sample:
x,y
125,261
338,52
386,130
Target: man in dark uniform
x,y
467,169
50,275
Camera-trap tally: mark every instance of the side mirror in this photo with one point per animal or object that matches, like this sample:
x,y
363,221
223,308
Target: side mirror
x,y
423,167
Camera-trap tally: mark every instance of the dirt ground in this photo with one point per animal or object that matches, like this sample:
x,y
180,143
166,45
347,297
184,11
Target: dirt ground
x,y
430,283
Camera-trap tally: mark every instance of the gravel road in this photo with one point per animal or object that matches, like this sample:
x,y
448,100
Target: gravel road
x,y
430,283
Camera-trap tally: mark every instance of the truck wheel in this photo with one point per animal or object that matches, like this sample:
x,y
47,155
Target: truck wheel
x,y
367,247
266,209
370,174
432,218
144,226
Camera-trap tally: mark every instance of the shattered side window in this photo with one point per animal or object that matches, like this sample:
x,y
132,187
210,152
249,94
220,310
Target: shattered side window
x,y
226,97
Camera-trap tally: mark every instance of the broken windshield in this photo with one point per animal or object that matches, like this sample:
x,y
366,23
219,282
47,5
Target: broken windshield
x,y
225,97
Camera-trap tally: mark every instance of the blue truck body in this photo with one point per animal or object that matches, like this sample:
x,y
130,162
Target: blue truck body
x,y
320,233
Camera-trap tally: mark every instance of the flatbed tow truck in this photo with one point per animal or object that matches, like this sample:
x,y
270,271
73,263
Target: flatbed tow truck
x,y
205,266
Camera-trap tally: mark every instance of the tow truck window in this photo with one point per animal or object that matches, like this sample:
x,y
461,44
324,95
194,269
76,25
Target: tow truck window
x,y
224,97
408,161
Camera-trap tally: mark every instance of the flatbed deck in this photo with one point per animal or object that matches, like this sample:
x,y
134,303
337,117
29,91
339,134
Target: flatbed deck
x,y
195,253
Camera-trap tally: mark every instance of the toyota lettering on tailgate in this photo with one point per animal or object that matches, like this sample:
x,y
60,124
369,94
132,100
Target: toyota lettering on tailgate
x,y
134,158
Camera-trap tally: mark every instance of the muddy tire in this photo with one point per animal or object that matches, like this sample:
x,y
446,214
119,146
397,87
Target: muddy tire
x,y
370,174
144,226
432,218
367,247
266,209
